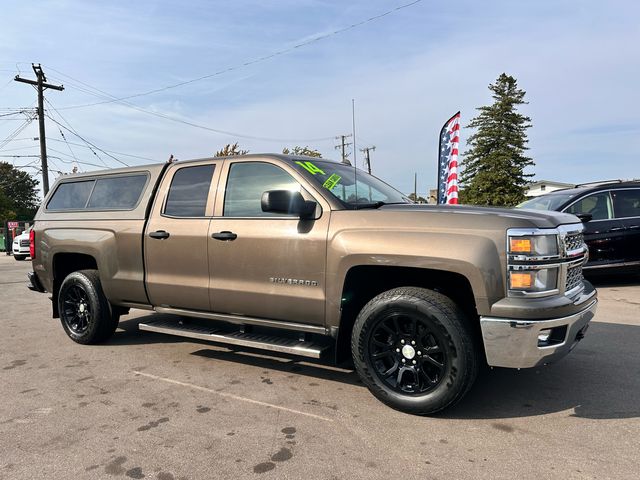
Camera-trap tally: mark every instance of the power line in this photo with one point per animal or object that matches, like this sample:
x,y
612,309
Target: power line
x,y
16,132
73,159
255,60
65,141
18,148
89,144
192,124
110,151
13,113
73,130
69,128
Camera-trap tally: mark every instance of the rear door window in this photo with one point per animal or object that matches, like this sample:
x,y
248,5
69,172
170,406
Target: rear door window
x,y
626,203
189,191
71,195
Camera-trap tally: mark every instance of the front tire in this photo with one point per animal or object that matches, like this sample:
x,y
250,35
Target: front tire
x,y
414,351
20,257
85,312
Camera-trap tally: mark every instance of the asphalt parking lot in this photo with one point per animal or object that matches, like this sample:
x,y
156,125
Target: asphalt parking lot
x,y
146,405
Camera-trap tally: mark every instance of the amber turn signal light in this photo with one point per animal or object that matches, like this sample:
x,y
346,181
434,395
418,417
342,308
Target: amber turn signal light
x,y
520,245
520,280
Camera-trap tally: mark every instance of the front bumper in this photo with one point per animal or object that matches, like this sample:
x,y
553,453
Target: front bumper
x,y
513,343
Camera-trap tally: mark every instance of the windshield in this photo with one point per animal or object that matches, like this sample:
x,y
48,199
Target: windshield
x,y
340,180
547,202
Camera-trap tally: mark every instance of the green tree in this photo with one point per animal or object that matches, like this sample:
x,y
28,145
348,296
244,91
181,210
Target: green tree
x,y
303,151
230,150
494,165
18,193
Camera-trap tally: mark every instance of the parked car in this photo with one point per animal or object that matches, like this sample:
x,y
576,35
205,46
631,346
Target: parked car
x,y
20,246
610,212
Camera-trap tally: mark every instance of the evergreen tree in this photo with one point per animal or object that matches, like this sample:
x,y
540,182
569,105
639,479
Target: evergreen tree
x,y
495,162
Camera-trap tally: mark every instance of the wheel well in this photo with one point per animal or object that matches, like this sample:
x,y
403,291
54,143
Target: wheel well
x,y
362,283
63,265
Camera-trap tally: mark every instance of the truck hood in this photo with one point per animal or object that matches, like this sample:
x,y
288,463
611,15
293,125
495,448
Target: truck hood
x,y
538,218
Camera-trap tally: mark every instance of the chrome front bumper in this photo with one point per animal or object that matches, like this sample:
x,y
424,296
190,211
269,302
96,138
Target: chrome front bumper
x,y
514,343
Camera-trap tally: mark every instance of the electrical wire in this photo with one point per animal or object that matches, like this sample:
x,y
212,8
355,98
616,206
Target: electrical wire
x,y
255,60
110,151
16,132
195,125
73,131
82,162
90,145
76,133
65,141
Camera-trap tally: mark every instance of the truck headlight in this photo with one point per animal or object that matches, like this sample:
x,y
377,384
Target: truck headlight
x,y
533,261
533,280
533,245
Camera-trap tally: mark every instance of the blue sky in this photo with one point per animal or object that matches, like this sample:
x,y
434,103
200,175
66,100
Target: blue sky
x,y
407,71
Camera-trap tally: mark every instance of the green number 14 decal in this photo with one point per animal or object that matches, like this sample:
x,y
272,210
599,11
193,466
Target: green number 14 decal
x,y
310,167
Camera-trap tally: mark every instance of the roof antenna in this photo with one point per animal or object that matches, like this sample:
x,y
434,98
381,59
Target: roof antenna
x,y
355,149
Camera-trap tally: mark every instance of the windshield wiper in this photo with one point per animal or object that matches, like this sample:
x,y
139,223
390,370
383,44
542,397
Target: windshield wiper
x,y
360,206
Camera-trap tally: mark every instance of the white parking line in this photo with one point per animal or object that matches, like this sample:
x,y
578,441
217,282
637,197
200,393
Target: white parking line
x,y
232,396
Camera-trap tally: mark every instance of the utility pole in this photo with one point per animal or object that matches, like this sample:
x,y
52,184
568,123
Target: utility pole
x,y
366,151
415,187
343,146
40,85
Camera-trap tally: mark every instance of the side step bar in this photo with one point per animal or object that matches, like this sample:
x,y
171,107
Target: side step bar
x,y
262,341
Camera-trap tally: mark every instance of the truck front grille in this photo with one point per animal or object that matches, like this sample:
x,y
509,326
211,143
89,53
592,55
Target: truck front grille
x,y
574,241
574,277
24,243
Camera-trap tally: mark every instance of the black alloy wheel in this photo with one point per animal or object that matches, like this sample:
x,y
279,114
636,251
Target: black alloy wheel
x,y
407,352
85,313
77,310
415,350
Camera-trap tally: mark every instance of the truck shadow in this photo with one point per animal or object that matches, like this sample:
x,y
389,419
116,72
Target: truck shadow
x,y
600,379
318,369
128,334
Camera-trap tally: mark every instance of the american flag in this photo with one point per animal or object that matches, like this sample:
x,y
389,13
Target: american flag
x,y
448,161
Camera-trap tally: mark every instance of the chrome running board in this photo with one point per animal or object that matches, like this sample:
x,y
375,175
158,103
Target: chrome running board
x,y
263,341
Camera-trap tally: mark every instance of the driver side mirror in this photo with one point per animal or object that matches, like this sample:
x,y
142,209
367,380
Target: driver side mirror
x,y
287,202
584,217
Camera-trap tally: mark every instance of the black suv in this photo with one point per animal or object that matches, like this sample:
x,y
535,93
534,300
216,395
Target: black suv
x,y
611,215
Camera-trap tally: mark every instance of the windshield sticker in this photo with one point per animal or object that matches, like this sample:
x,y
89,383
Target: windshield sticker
x,y
310,167
331,182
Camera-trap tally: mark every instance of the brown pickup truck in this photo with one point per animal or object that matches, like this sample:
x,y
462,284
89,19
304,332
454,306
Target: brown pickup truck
x,y
307,256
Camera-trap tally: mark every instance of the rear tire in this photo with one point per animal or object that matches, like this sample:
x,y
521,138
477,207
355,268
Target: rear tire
x,y
414,351
85,313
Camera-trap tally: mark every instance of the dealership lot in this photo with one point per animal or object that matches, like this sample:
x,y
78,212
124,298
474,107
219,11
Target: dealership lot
x,y
146,405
